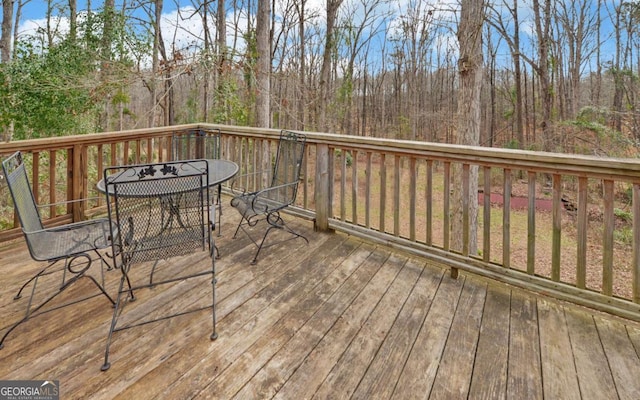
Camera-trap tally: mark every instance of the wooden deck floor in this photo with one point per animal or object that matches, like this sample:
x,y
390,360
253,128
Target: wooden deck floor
x,y
337,318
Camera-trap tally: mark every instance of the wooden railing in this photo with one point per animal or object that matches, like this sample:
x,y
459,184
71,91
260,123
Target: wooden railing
x,y
562,225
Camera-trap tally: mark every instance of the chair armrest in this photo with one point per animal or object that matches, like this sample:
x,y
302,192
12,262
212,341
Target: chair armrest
x,y
265,201
100,227
97,221
62,203
241,184
278,193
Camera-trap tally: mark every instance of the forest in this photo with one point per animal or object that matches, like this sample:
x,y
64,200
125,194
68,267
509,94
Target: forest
x,y
557,76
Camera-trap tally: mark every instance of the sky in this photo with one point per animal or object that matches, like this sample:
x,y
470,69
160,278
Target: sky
x,y
33,17
33,13
185,37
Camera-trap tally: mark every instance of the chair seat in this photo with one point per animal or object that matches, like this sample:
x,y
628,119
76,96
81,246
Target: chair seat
x,y
172,244
57,243
248,207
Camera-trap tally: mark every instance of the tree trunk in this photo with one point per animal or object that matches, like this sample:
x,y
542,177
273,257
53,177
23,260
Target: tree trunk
x,y
16,25
5,38
302,93
155,73
518,79
221,31
543,32
73,19
263,72
5,49
206,50
468,133
617,74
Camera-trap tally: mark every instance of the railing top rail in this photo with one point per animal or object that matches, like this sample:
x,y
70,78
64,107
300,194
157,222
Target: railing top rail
x,y
625,169
61,142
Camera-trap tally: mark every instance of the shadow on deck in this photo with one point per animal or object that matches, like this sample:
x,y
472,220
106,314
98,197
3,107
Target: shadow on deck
x,y
338,318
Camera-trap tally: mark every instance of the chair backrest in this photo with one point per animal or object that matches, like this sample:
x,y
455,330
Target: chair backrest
x,y
196,144
288,166
25,204
159,209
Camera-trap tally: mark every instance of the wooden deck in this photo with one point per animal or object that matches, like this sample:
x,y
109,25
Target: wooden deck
x,y
337,318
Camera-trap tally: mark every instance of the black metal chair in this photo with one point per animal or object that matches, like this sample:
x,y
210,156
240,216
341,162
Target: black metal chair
x,y
161,213
267,203
74,245
199,144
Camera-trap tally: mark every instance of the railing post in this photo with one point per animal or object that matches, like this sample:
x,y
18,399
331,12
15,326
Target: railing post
x,y
322,194
77,172
635,266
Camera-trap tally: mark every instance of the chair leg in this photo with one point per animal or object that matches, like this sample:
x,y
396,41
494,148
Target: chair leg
x,y
214,334
35,277
264,238
296,234
118,310
276,222
238,227
104,260
153,270
68,283
219,210
114,319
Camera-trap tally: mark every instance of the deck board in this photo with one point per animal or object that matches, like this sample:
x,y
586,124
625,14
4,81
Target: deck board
x,y
336,318
455,370
524,375
620,351
558,366
419,371
596,381
489,376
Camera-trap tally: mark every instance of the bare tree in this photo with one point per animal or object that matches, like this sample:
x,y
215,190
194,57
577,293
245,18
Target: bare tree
x,y
325,72
542,20
413,42
578,26
354,36
106,54
18,17
596,83
512,38
616,71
